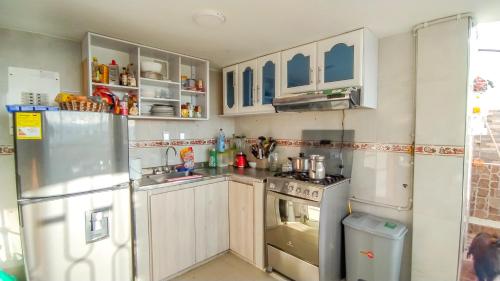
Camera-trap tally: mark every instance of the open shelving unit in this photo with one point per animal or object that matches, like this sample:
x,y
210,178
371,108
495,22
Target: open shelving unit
x,y
149,91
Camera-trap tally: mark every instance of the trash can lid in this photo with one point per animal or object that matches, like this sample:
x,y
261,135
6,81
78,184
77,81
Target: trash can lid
x,y
375,225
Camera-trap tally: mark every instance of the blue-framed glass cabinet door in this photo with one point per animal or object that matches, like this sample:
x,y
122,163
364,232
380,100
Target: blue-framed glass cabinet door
x,y
230,89
247,76
268,83
298,69
339,61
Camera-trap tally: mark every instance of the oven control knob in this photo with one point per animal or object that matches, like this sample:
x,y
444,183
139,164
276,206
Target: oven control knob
x,y
306,192
272,186
298,190
315,194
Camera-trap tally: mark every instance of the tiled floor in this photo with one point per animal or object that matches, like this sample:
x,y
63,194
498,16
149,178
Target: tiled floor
x,y
227,267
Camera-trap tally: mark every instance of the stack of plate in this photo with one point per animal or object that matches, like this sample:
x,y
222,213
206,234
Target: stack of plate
x,y
163,110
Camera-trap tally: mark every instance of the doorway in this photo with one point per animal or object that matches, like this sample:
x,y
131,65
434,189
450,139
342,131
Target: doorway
x,y
480,251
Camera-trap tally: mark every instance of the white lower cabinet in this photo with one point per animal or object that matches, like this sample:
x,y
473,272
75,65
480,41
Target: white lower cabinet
x,y
211,220
177,229
172,232
241,220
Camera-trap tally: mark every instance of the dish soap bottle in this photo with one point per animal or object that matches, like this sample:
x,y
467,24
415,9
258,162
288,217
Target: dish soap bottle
x,y
221,141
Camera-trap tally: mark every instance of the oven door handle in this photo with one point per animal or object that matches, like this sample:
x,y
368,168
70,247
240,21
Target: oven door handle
x,y
292,199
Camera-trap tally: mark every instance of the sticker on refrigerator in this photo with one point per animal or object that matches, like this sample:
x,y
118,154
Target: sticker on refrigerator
x,y
28,126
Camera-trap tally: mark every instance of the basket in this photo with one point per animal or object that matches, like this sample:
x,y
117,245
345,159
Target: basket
x,y
87,106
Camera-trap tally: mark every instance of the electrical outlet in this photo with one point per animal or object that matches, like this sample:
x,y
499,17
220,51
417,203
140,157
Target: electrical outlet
x,y
182,136
166,136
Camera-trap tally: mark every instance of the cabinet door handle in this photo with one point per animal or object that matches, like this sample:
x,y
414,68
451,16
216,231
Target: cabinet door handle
x,y
319,74
311,75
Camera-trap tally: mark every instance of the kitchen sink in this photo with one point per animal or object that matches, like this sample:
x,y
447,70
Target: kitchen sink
x,y
174,176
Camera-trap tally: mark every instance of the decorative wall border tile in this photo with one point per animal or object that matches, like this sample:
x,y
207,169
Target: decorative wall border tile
x,y
6,150
176,142
439,150
287,143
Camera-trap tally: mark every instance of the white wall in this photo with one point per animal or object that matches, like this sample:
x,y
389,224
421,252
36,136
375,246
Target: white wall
x,y
377,176
152,131
23,49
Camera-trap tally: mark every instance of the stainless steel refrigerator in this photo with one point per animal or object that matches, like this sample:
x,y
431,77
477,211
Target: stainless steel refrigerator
x,y
74,195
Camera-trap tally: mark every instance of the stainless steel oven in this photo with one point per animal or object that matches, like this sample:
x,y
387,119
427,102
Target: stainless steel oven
x,y
293,226
303,227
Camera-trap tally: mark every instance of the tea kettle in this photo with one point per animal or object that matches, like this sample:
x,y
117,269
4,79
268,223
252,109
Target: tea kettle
x,y
240,160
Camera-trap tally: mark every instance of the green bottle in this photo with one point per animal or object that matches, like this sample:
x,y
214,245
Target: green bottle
x,y
212,160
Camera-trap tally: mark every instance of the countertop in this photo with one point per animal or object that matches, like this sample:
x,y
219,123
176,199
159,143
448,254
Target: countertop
x,y
247,174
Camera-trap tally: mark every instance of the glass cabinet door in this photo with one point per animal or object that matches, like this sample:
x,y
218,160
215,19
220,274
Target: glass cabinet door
x,y
298,66
268,82
298,71
230,100
230,89
247,86
339,61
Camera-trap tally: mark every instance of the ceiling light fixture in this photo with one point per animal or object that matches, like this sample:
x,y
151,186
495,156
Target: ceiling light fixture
x,y
209,18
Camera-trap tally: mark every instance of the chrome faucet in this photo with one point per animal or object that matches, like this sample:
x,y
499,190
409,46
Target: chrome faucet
x,y
167,168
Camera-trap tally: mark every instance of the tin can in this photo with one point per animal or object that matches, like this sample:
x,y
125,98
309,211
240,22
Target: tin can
x,y
191,85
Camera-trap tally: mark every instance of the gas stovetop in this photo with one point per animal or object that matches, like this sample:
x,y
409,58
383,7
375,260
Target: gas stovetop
x,y
303,176
299,185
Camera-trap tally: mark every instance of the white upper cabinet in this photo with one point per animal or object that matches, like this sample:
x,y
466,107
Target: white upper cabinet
x,y
347,60
230,89
298,67
268,82
339,61
247,79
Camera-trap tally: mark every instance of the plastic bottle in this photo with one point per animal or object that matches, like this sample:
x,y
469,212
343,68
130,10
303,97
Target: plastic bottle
x,y
124,105
124,77
95,71
221,141
114,73
212,160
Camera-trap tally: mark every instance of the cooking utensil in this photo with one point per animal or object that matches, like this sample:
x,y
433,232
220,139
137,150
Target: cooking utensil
x,y
317,168
300,164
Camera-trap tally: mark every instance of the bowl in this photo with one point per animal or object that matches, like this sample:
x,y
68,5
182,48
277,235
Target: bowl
x,y
252,164
150,66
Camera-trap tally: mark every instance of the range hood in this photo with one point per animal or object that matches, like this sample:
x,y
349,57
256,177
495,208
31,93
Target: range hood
x,y
335,99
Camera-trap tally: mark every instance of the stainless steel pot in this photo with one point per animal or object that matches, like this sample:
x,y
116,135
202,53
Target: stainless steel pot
x,y
317,169
299,164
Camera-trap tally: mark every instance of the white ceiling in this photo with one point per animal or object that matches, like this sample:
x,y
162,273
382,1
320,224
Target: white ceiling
x,y
252,28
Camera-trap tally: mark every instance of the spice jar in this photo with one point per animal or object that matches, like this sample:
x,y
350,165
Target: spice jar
x,y
184,111
197,111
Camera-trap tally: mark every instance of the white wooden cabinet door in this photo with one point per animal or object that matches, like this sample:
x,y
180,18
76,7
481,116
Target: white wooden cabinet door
x,y
241,220
211,220
268,81
247,79
172,232
340,61
298,69
230,89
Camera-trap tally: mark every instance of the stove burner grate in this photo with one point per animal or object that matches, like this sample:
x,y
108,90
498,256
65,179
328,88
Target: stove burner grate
x,y
302,176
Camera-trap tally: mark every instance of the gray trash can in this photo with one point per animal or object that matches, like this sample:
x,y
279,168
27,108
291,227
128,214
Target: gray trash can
x,y
373,247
